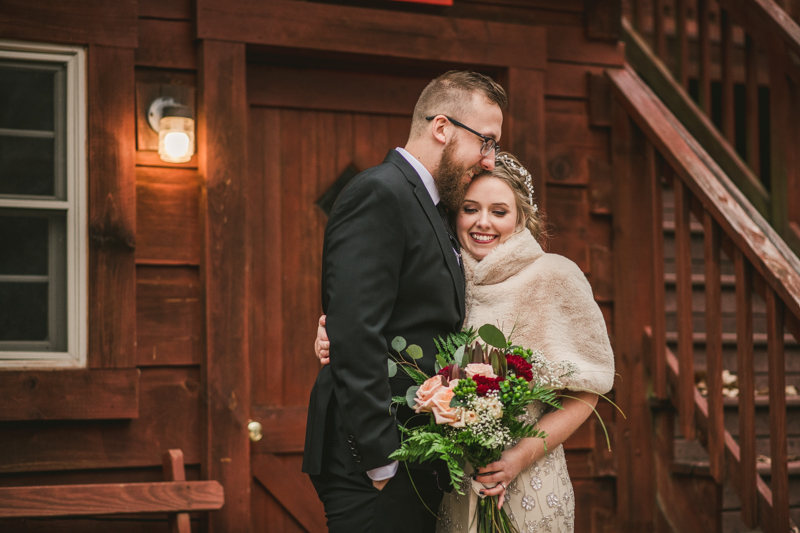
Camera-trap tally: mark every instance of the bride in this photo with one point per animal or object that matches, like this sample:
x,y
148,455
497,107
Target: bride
x,y
546,298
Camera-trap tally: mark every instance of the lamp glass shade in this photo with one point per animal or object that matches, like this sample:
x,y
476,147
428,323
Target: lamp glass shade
x,y
176,139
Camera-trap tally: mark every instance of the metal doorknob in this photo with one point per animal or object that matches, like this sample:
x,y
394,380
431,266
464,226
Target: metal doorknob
x,y
255,430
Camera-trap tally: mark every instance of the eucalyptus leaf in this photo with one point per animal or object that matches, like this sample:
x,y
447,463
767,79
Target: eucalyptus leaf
x,y
399,343
455,402
437,367
414,351
459,357
411,396
392,368
493,336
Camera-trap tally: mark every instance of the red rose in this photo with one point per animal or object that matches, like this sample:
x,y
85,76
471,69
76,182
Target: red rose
x,y
487,384
520,366
445,371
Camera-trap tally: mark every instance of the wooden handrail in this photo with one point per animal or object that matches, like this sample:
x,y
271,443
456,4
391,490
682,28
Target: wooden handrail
x,y
769,33
759,242
762,263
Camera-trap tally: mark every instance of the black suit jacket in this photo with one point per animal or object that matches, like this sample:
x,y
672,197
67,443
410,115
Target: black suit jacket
x,y
388,269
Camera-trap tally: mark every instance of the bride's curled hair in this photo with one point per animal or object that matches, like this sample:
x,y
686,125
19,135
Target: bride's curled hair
x,y
507,168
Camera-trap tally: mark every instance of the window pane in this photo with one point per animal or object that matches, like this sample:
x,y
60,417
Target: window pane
x,y
27,96
27,166
24,242
23,311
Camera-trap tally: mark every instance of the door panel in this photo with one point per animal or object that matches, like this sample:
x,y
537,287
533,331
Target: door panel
x,y
295,155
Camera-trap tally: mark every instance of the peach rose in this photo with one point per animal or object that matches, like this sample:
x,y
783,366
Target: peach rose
x,y
442,412
479,369
425,394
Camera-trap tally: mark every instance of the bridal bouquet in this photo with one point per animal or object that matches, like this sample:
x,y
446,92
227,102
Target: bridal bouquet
x,y
476,405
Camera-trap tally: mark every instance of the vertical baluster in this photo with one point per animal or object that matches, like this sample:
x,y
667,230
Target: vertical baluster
x,y
780,147
751,105
704,55
726,64
746,378
716,421
779,482
654,163
683,282
681,44
659,37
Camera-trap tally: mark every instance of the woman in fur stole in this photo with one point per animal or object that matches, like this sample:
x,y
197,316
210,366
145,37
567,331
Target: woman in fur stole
x,y
546,299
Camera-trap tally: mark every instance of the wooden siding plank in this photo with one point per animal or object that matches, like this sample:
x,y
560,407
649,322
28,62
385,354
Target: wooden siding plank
x,y
111,499
713,320
169,316
101,22
167,216
681,45
525,123
69,395
726,65
357,30
632,300
168,417
753,149
744,369
112,208
166,44
166,9
704,55
299,88
222,149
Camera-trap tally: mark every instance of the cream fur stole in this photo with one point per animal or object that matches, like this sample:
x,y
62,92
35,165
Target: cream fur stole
x,y
550,301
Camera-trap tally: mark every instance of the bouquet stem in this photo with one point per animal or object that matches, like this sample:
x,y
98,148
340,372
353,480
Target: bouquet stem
x,y
491,519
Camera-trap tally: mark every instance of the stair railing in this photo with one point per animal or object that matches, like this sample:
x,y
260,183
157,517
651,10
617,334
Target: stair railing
x,y
752,45
651,145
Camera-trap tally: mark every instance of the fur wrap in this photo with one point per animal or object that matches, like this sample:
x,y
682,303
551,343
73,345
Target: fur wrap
x,y
550,301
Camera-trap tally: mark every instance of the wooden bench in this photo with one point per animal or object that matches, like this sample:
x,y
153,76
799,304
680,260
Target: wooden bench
x,y
174,496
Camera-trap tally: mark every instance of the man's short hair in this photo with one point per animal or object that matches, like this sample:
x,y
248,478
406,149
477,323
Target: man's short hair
x,y
451,94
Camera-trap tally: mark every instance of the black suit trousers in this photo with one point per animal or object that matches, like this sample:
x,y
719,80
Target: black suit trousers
x,y
353,505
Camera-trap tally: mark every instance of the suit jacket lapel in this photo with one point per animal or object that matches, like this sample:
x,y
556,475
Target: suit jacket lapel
x,y
442,237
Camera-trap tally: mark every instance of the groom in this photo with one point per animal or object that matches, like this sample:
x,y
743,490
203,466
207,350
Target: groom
x,y
392,266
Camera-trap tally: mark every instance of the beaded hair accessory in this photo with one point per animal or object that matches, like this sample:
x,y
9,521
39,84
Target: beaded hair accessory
x,y
523,173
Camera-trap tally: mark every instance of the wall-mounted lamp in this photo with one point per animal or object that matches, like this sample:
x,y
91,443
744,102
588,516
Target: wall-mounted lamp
x,y
175,127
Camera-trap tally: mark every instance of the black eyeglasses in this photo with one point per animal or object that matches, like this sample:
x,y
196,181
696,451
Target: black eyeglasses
x,y
489,144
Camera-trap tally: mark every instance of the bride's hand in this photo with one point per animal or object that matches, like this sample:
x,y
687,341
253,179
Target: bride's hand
x,y
501,472
322,345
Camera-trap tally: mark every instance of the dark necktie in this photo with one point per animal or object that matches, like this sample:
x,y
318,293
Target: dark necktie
x,y
451,234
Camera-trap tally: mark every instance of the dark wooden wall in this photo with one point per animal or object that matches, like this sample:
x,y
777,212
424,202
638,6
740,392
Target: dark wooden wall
x,y
167,310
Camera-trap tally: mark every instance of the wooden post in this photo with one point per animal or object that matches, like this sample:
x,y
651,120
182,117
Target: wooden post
x,y
747,406
716,422
683,289
112,208
659,327
704,59
222,122
751,106
632,300
681,45
726,64
779,482
174,471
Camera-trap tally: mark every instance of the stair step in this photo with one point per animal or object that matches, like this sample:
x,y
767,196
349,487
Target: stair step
x,y
759,339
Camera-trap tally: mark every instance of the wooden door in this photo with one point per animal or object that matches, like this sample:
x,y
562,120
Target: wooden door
x,y
307,129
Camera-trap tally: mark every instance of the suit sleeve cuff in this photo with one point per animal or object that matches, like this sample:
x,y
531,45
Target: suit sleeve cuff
x,y
383,472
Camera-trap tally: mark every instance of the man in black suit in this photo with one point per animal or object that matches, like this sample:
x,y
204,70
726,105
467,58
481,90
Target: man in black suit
x,y
392,266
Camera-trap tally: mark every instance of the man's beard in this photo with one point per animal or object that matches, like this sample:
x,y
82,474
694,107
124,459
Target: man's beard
x,y
449,179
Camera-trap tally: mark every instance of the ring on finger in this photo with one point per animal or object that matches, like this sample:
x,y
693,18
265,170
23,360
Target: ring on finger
x,y
503,485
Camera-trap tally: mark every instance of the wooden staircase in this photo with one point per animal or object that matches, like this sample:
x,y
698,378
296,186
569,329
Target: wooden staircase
x,y
690,459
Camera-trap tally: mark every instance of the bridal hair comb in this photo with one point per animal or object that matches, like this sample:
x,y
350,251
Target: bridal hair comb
x,y
511,163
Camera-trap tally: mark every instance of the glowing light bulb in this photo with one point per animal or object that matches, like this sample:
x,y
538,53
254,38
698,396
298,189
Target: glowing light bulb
x,y
176,139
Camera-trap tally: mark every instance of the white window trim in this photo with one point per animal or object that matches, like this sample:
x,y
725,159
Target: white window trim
x,y
74,57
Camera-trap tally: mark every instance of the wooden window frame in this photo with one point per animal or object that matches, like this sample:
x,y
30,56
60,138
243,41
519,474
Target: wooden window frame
x,y
74,206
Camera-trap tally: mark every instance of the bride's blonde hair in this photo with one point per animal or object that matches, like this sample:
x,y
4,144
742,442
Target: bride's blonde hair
x,y
508,169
